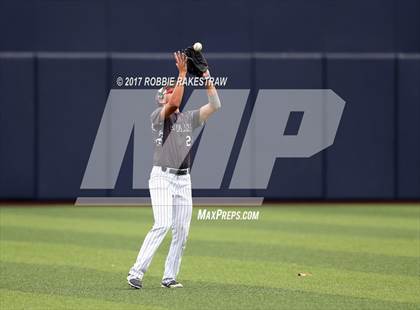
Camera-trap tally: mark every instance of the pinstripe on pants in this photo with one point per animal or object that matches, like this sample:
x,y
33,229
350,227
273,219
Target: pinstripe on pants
x,y
172,208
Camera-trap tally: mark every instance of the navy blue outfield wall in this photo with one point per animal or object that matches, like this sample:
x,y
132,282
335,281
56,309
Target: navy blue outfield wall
x,y
58,60
51,106
225,26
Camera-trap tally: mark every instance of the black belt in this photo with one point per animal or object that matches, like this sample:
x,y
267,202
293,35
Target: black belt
x,y
176,171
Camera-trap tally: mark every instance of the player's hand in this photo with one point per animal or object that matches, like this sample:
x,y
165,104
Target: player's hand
x,y
181,62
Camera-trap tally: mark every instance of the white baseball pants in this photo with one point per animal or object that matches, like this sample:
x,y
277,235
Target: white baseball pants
x,y
172,208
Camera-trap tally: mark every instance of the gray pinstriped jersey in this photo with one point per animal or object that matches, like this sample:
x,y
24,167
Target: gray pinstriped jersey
x,y
173,138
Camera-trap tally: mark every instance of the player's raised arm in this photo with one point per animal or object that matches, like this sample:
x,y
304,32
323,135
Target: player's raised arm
x,y
214,102
176,98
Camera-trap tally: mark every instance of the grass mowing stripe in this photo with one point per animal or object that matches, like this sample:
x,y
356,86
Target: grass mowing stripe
x,y
270,274
304,216
109,226
291,226
196,295
238,233
365,210
326,242
260,252
287,225
16,299
409,225
95,213
268,215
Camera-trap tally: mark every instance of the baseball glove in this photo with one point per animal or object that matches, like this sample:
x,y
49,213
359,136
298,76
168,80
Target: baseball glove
x,y
196,64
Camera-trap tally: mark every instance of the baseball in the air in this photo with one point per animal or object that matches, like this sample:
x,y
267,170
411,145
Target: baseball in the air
x,y
197,47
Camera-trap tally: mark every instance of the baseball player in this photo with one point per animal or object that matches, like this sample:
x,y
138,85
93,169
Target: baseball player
x,y
170,182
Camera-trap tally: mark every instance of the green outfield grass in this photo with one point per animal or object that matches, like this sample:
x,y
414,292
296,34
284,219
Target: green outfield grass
x,y
360,257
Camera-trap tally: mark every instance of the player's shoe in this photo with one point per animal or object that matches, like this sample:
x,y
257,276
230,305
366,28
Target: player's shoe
x,y
134,282
171,284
